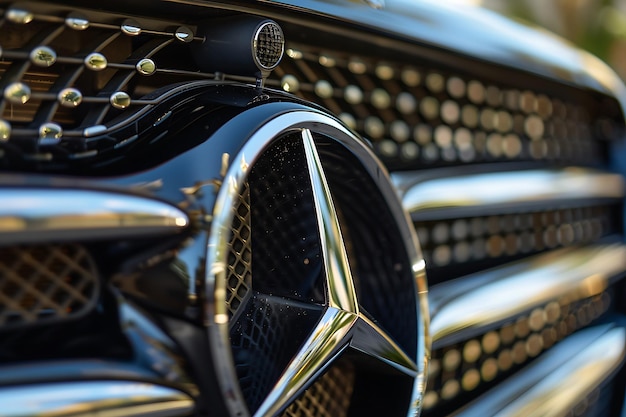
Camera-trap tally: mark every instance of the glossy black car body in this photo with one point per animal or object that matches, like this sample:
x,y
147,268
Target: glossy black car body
x,y
189,227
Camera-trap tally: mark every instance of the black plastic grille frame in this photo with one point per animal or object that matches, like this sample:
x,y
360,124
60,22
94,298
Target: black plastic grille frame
x,y
45,283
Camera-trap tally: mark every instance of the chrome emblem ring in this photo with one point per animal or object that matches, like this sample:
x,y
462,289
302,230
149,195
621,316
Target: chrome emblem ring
x,y
343,322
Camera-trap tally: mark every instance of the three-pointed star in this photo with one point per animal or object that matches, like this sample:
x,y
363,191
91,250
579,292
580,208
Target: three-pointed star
x,y
342,323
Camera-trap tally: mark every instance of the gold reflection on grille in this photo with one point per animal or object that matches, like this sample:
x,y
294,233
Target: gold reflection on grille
x,y
45,282
466,366
329,396
520,124
239,276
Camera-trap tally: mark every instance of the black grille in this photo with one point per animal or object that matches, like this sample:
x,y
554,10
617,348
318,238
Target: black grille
x,y
40,284
460,371
465,245
329,396
419,117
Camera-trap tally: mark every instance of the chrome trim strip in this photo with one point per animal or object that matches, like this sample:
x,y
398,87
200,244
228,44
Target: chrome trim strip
x,y
94,398
446,196
36,214
463,308
560,379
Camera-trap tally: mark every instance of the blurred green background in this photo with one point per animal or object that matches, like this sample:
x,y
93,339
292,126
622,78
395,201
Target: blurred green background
x,y
596,25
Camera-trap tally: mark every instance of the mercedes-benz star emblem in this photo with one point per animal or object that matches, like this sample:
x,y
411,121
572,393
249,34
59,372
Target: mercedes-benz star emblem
x,y
343,324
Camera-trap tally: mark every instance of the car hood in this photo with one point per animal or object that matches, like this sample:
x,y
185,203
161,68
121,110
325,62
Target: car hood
x,y
477,33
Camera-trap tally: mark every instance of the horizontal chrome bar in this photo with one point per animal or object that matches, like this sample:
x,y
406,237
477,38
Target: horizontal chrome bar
x,y
463,308
94,398
454,195
33,214
559,380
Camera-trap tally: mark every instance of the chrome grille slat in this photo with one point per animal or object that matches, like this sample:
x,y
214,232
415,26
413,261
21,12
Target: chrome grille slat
x,y
557,382
453,194
108,397
488,325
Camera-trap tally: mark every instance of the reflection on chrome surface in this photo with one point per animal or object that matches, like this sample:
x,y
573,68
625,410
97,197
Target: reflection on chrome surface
x,y
32,214
508,191
95,398
461,309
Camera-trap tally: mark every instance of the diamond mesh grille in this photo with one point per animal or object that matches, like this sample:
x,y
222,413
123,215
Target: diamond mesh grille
x,y
287,253
329,396
42,283
239,278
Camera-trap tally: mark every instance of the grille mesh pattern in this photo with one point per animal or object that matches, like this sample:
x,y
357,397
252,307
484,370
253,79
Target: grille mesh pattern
x,y
239,279
329,396
266,336
257,345
270,44
419,117
287,253
475,243
470,366
42,283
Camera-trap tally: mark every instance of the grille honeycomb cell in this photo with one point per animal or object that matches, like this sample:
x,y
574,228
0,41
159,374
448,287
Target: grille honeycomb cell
x,y
329,396
39,284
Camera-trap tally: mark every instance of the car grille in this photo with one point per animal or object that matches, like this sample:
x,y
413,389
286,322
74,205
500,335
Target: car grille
x,y
72,93
429,121
240,257
45,283
419,117
328,397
